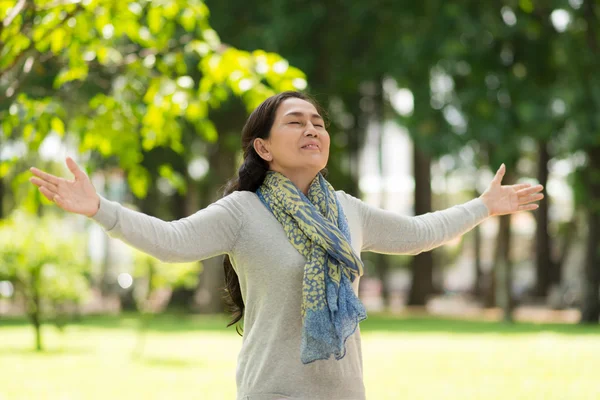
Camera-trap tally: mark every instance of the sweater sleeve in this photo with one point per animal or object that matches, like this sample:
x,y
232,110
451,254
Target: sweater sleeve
x,y
388,232
207,233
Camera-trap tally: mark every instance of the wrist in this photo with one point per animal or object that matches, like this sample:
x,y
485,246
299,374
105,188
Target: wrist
x,y
97,206
486,202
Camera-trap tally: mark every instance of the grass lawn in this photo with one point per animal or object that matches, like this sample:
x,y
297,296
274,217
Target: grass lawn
x,y
404,358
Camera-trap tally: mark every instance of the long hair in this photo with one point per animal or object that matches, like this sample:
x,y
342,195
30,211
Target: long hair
x,y
250,177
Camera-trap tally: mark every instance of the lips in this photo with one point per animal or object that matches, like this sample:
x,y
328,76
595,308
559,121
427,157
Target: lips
x,y
311,145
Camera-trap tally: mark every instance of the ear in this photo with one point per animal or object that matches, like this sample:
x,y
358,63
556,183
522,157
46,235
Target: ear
x,y
262,149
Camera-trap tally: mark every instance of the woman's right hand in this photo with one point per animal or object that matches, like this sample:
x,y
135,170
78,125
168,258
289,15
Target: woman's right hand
x,y
77,196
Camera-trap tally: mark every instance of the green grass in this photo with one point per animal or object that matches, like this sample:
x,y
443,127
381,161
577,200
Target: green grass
x,y
404,358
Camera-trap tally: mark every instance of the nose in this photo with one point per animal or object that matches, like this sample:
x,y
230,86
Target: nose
x,y
311,130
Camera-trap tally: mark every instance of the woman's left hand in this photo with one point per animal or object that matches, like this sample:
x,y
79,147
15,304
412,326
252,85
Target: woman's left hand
x,y
502,200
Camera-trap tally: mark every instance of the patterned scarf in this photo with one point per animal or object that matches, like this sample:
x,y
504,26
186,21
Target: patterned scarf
x,y
316,226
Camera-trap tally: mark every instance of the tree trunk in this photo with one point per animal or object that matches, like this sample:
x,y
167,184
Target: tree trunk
x,y
210,292
382,264
422,264
37,326
503,269
503,261
544,267
477,242
182,298
590,310
477,289
34,311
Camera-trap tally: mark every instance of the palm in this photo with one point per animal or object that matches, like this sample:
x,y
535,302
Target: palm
x,y
508,199
77,195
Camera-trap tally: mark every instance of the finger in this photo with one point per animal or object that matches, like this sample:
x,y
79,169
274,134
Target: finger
x,y
520,186
47,194
526,207
74,168
531,198
39,183
500,173
45,176
60,201
531,190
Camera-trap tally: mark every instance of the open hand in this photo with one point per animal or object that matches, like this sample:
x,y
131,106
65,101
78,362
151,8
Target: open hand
x,y
77,196
502,200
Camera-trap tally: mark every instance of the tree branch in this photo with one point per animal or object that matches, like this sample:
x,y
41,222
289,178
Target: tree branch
x,y
32,43
14,12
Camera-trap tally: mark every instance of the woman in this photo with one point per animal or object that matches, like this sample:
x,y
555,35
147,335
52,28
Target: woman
x,y
294,245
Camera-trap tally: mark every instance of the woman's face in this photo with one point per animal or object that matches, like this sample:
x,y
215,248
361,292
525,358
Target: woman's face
x,y
298,141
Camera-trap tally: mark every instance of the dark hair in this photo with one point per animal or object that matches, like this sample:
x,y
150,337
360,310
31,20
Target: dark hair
x,y
250,177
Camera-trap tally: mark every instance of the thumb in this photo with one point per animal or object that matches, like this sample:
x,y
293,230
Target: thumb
x,y
75,170
500,173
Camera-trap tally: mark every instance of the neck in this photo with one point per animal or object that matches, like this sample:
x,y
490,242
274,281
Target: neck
x,y
301,179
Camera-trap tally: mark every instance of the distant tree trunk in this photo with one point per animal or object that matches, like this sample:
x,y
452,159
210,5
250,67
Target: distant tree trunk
x,y
590,310
544,262
382,264
354,147
182,298
33,308
477,242
209,293
422,264
503,268
37,326
503,262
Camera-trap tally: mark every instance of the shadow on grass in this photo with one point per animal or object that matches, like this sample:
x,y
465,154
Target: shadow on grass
x,y
171,322
410,325
167,322
29,352
168,362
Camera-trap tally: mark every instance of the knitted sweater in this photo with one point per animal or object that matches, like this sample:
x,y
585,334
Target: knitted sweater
x,y
270,273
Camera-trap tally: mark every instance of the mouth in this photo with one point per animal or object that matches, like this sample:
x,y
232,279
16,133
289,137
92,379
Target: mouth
x,y
310,147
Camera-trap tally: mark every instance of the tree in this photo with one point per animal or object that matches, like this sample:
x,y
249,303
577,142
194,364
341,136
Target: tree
x,y
44,262
153,277
124,77
132,82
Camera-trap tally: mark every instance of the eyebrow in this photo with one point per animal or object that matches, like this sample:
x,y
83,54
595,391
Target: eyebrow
x,y
299,114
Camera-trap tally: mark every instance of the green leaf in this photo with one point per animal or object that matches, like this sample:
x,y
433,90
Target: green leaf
x,y
208,131
139,179
57,126
57,40
28,131
155,20
72,74
188,20
4,168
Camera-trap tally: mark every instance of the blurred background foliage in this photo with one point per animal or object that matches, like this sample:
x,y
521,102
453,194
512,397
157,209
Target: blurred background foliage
x,y
151,96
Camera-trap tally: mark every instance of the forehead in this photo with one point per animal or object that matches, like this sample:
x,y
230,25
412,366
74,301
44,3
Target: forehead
x,y
293,105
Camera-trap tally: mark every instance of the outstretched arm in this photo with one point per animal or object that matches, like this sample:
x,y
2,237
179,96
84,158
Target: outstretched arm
x,y
207,233
392,233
